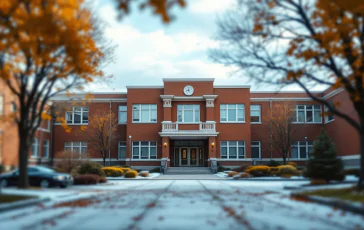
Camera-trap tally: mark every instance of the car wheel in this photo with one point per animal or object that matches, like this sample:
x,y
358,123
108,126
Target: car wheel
x,y
63,186
3,183
44,184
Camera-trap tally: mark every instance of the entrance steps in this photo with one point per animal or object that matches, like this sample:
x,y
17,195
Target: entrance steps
x,y
188,170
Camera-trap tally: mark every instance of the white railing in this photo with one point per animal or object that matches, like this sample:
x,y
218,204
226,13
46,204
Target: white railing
x,y
169,127
172,127
207,126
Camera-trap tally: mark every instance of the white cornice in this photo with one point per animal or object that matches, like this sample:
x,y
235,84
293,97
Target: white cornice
x,y
188,79
333,93
210,96
145,87
282,99
167,96
189,133
232,86
278,92
188,98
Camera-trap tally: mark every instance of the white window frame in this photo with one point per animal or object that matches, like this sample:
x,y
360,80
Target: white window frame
x,y
328,115
35,148
308,144
254,145
237,145
137,108
121,145
260,113
138,155
82,110
195,110
46,149
123,109
2,104
76,147
305,110
226,108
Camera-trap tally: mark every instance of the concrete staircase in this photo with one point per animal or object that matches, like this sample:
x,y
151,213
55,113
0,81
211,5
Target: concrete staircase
x,y
187,170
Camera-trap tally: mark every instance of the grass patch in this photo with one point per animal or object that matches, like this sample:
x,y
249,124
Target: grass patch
x,y
349,194
8,198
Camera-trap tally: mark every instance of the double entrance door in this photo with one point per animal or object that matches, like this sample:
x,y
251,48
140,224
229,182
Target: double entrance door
x,y
189,156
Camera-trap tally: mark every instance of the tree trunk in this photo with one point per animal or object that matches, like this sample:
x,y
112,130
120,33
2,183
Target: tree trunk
x,y
361,176
23,159
284,159
104,158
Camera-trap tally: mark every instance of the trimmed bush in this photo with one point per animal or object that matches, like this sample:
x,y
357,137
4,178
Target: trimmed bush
x,y
292,164
245,175
103,180
258,171
155,170
113,171
323,164
86,179
90,167
233,173
144,174
273,171
273,163
131,174
287,171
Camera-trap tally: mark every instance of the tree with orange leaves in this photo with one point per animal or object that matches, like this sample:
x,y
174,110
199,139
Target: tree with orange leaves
x,y
300,42
46,47
282,130
101,132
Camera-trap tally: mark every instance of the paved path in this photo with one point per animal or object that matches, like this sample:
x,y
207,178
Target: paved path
x,y
182,204
189,177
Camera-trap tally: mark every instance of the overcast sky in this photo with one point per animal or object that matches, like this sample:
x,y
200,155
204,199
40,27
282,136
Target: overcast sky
x,y
148,50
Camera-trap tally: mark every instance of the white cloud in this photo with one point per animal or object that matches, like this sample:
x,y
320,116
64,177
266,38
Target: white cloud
x,y
209,6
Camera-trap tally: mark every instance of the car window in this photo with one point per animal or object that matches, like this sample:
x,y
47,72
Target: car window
x,y
45,169
32,170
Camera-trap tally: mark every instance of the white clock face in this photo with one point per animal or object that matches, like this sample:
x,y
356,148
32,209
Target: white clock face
x,y
188,90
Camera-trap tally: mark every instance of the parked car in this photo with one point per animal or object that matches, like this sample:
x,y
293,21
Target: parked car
x,y
38,176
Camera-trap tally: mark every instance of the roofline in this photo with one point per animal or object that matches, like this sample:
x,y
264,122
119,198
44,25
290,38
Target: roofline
x,y
232,86
145,87
188,79
277,92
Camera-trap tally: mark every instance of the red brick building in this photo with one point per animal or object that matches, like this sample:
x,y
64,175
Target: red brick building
x,y
192,122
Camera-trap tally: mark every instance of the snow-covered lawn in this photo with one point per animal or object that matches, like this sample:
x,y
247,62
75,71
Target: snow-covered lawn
x,y
151,176
181,204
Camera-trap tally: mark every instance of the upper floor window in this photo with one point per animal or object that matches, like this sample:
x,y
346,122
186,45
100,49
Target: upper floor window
x,y
144,113
308,114
232,149
76,147
256,149
144,150
232,113
255,114
122,150
46,149
329,116
78,115
35,147
122,114
301,149
1,104
188,113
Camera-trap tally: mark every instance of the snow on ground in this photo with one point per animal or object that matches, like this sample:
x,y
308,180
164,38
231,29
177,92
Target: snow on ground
x,y
151,176
182,204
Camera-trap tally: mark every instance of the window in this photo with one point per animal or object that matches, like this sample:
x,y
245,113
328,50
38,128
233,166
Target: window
x,y
255,149
145,113
232,113
78,115
46,149
329,116
301,149
122,114
122,150
76,147
1,104
35,147
308,114
232,149
255,114
188,113
144,150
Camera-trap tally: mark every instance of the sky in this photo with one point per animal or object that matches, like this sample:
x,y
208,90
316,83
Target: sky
x,y
148,50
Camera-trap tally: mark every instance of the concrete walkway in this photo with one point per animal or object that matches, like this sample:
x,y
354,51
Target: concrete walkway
x,y
189,177
182,204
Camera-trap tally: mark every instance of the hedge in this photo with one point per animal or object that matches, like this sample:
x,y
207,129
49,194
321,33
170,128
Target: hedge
x,y
90,167
287,171
113,171
131,174
257,171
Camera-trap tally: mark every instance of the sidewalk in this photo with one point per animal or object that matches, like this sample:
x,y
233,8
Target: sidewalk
x,y
188,177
